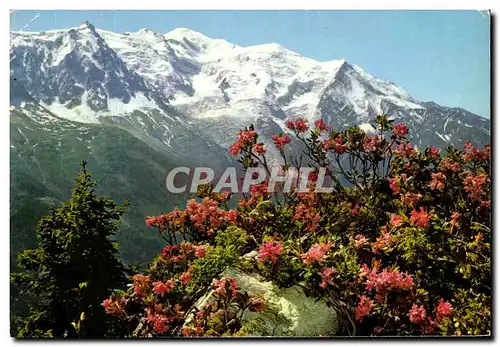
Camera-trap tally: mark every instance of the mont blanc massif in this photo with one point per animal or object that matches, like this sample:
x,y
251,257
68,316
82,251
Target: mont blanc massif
x,y
135,104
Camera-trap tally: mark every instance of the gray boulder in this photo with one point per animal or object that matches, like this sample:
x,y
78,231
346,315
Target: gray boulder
x,y
288,312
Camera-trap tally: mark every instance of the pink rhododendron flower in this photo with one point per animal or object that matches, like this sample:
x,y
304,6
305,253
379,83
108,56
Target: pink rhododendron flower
x,y
396,220
230,216
455,216
269,250
289,124
417,314
141,283
281,141
444,309
206,215
448,164
420,218
308,216
337,144
326,277
395,183
160,324
474,185
474,153
371,143
320,125
410,199
437,181
200,251
151,221
385,239
243,139
257,304
259,148
316,253
221,286
434,152
364,307
360,240
161,288
386,280
106,303
299,125
400,130
405,150
110,306
313,176
185,278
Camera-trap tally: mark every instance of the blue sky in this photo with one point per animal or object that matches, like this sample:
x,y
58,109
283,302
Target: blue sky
x,y
440,56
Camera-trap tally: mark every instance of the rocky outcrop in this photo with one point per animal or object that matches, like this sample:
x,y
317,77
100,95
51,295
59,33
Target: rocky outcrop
x,y
288,311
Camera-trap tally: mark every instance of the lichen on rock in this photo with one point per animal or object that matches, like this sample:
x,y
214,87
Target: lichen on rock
x,y
288,311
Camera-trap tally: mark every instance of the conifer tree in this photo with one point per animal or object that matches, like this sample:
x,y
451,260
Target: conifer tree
x,y
74,268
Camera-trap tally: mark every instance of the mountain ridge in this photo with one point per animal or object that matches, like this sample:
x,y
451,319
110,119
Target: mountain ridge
x,y
186,82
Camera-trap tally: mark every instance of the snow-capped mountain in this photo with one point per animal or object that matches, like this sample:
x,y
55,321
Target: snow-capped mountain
x,y
184,82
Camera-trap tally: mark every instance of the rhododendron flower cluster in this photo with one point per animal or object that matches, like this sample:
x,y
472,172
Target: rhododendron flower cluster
x,y
259,148
385,280
243,139
338,144
175,216
405,150
141,284
161,288
420,218
207,215
185,278
360,241
417,314
437,181
308,216
270,250
364,307
447,164
444,310
173,254
455,217
371,143
410,199
281,141
163,319
474,153
433,152
400,130
225,286
326,277
257,191
385,239
395,183
112,307
320,125
316,253
299,125
200,251
474,185
396,220
257,304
